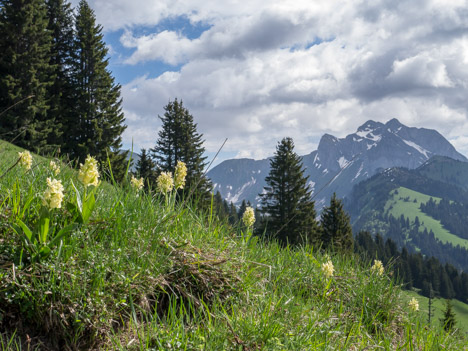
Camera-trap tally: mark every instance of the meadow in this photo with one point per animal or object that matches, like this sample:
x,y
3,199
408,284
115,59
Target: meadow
x,y
406,202
118,268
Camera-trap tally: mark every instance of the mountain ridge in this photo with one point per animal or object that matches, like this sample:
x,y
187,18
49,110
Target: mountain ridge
x,y
339,163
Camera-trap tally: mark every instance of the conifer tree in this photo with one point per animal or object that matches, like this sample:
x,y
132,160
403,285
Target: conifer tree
x,y
60,93
145,168
286,203
179,141
24,73
336,227
233,218
218,204
242,208
97,124
448,322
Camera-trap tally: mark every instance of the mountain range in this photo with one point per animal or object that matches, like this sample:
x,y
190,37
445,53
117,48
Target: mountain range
x,y
424,210
339,163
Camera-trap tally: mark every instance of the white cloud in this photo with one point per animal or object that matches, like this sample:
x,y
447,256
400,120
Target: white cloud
x,y
265,70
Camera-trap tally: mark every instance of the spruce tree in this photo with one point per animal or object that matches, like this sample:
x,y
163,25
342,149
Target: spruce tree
x,y
146,168
233,217
286,203
97,124
60,93
179,141
337,233
25,72
448,322
242,208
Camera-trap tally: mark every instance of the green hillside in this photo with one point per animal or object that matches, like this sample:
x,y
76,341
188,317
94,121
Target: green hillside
x,y
114,268
460,309
403,201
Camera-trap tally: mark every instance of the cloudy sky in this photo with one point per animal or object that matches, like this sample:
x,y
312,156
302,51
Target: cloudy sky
x,y
256,71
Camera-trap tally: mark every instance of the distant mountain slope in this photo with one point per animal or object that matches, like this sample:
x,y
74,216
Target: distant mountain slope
x,y
390,203
338,164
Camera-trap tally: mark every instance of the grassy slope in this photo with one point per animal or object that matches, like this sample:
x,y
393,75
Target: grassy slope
x,y
145,273
460,309
410,209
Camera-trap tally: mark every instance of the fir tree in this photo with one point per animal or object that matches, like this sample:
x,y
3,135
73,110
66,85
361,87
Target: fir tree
x,y
60,93
219,207
97,124
242,208
145,168
179,141
336,228
448,322
233,218
24,73
286,202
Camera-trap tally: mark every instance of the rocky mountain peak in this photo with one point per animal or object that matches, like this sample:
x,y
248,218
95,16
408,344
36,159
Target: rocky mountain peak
x,y
394,124
340,163
369,126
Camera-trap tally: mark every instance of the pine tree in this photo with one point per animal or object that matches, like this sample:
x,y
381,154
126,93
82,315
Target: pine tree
x,y
179,141
242,208
60,93
25,72
286,202
97,124
146,168
448,322
336,227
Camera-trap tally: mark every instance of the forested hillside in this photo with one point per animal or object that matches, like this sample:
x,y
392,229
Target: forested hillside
x,y
416,209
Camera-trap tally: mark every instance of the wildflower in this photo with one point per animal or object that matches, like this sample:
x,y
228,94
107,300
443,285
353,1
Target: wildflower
x,y
53,195
180,174
137,184
25,159
54,167
328,269
248,217
165,182
88,173
377,267
413,305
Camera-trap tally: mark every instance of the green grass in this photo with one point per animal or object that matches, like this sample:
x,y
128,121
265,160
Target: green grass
x,y
396,206
148,273
460,309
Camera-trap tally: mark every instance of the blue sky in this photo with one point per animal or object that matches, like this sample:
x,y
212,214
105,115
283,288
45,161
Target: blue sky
x,y
255,72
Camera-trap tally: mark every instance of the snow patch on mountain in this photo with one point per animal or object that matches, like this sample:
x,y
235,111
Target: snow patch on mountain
x,y
342,161
358,172
375,146
417,147
235,198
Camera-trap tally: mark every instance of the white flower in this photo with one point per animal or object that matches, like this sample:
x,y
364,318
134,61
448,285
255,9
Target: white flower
x,y
53,195
179,175
54,167
25,159
89,174
249,217
413,305
137,184
165,182
328,269
377,267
